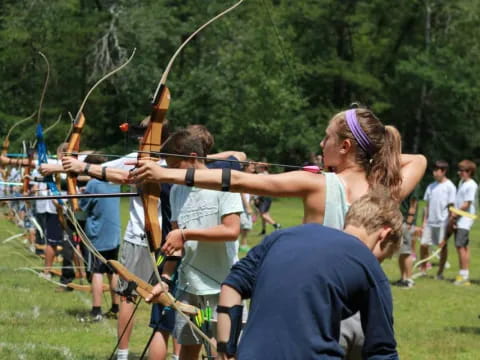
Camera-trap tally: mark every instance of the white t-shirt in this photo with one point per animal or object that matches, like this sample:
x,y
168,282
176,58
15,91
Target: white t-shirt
x,y
439,196
135,231
45,206
15,175
205,264
467,191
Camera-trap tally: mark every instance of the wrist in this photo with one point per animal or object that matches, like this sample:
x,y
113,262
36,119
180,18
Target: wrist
x,y
184,235
86,169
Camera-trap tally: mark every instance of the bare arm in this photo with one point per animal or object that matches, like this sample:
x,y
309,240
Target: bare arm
x,y
412,170
289,184
50,169
118,176
239,155
228,230
465,206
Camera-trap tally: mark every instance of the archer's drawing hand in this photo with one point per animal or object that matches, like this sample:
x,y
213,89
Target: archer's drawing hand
x,y
144,171
174,242
156,291
71,164
46,169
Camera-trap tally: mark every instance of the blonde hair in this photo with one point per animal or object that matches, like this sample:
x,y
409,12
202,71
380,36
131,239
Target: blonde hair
x,y
383,166
375,210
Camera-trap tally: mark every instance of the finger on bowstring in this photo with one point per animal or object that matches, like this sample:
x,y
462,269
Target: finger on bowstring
x,y
132,162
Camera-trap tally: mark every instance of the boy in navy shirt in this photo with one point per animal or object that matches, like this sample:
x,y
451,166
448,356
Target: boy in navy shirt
x,y
304,280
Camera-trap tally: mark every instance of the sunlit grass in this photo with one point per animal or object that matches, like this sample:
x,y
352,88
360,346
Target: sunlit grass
x,y
434,320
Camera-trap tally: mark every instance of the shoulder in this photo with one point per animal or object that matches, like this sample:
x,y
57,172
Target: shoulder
x,y
450,184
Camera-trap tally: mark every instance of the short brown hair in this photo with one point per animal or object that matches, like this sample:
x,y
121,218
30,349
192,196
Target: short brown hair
x,y
202,132
441,164
375,210
95,159
468,165
183,142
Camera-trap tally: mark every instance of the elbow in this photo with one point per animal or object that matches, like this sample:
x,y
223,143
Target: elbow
x,y
232,234
422,161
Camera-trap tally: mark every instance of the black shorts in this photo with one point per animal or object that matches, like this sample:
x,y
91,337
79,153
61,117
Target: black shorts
x,y
263,204
54,231
462,238
97,267
162,318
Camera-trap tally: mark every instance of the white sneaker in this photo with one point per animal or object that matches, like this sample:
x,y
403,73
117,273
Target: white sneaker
x,y
447,265
46,276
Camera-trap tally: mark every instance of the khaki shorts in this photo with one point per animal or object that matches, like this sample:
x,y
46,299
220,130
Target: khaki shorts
x,y
407,235
433,235
136,259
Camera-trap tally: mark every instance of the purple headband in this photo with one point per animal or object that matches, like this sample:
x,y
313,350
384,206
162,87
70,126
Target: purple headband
x,y
358,132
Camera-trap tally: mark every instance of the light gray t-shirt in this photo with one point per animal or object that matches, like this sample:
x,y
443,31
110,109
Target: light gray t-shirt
x,y
467,191
205,264
439,196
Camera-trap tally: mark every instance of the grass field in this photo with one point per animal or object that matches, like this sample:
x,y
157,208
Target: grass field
x,y
433,320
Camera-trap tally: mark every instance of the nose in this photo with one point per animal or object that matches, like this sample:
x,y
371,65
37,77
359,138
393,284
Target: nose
x,y
322,143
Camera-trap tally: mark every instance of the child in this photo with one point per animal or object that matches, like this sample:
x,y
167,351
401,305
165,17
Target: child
x,y
298,317
466,201
439,195
206,225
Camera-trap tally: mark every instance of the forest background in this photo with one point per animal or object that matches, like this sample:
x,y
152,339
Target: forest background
x,y
265,79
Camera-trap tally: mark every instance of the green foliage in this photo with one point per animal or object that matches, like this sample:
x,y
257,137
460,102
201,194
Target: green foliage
x,y
265,79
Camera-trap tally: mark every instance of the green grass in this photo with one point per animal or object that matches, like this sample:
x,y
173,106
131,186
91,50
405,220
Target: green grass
x,y
434,320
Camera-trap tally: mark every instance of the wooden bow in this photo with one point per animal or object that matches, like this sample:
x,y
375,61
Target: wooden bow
x,y
152,142
6,141
78,124
72,149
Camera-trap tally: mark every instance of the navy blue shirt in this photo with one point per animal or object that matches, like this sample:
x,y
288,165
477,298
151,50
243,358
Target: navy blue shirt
x,y
102,225
222,164
303,281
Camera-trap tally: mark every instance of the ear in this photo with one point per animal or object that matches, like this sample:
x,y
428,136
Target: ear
x,y
345,146
383,234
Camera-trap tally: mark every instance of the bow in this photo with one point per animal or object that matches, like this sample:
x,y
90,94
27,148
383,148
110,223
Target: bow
x,y
151,142
6,142
78,125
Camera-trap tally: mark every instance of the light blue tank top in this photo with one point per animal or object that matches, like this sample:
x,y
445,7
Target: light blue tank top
x,y
336,205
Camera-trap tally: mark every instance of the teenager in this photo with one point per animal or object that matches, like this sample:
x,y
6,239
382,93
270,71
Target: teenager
x,y
439,195
358,150
465,200
297,306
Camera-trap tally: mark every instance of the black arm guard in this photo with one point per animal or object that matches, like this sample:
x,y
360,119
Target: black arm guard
x,y
235,313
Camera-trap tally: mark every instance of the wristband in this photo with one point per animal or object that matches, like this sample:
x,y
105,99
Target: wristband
x,y
167,281
104,173
190,177
85,170
226,177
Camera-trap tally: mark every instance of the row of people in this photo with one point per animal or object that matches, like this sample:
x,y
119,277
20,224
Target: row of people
x,y
360,153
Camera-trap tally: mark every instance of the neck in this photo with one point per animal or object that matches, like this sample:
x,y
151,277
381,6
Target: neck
x,y
361,234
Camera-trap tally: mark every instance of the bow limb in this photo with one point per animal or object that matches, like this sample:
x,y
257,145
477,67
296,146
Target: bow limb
x,y
73,147
78,125
152,142
144,289
6,141
26,178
